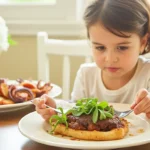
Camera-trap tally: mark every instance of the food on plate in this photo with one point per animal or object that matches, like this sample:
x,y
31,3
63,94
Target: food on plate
x,y
89,120
21,90
140,130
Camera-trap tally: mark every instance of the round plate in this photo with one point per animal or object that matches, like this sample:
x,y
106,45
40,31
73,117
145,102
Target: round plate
x,y
35,128
56,90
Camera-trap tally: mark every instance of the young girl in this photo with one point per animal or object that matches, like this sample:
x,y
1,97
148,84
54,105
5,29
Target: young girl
x,y
118,31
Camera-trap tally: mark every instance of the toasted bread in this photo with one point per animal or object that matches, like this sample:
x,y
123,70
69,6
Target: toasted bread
x,y
114,134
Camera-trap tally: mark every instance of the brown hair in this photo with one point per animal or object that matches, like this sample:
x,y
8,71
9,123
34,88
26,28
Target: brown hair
x,y
120,16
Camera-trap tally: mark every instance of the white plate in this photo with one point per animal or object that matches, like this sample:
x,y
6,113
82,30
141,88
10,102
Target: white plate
x,y
56,90
34,127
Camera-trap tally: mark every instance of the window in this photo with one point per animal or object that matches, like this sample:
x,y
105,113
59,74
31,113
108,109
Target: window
x,y
54,16
28,1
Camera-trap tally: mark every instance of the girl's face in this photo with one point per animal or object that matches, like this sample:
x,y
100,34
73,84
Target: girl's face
x,y
116,56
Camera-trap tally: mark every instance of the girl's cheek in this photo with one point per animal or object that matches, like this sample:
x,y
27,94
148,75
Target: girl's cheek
x,y
95,56
100,62
98,57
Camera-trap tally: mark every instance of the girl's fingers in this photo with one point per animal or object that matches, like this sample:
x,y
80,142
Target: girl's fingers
x,y
140,96
46,111
45,99
41,104
133,105
46,117
42,111
48,114
49,101
35,102
148,115
147,110
143,105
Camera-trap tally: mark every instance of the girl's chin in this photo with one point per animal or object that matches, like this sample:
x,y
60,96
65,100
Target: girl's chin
x,y
112,74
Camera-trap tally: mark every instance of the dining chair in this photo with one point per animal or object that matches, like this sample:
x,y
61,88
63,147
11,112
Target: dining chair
x,y
65,48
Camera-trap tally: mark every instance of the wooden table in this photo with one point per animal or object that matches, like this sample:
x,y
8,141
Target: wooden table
x,y
12,139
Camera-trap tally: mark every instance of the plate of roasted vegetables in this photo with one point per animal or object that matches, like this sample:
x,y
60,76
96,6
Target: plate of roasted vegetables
x,y
15,94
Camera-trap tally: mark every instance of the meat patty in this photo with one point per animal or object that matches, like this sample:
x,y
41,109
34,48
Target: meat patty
x,y
84,122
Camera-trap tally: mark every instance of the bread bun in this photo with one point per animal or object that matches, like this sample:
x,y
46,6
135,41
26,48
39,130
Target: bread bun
x,y
114,134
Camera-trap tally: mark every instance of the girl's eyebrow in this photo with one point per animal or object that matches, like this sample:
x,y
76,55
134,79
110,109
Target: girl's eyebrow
x,y
97,43
125,42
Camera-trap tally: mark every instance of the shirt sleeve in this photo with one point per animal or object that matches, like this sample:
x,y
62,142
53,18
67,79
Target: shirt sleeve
x,y
78,89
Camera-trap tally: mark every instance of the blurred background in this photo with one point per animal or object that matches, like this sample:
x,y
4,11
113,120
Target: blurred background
x,y
61,19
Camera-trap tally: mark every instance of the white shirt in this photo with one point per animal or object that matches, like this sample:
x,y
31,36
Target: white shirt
x,y
88,83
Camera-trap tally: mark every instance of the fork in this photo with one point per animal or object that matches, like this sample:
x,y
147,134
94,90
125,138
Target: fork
x,y
122,114
118,113
57,110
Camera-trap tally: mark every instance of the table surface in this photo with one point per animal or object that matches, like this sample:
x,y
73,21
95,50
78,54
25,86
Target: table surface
x,y
12,139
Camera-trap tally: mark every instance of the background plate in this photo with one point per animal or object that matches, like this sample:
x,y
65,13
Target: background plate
x,y
56,90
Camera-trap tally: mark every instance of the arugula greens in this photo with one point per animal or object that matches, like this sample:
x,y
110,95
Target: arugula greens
x,y
87,106
59,119
98,110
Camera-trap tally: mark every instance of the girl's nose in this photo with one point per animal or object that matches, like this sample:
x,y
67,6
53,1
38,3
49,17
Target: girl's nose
x,y
111,58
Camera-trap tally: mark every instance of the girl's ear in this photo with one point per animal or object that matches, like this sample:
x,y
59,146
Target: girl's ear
x,y
144,42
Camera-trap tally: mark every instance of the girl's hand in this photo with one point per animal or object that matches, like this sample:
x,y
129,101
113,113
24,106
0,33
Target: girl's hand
x,y
142,103
46,113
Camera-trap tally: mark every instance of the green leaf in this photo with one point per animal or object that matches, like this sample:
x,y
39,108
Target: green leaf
x,y
95,115
11,41
79,103
68,111
102,115
112,110
54,127
89,111
52,118
77,112
108,115
103,104
62,119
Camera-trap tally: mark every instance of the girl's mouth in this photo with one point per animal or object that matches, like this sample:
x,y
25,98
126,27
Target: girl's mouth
x,y
112,69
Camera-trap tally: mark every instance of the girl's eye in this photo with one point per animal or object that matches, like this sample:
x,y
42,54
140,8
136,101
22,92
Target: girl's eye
x,y
122,48
100,48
